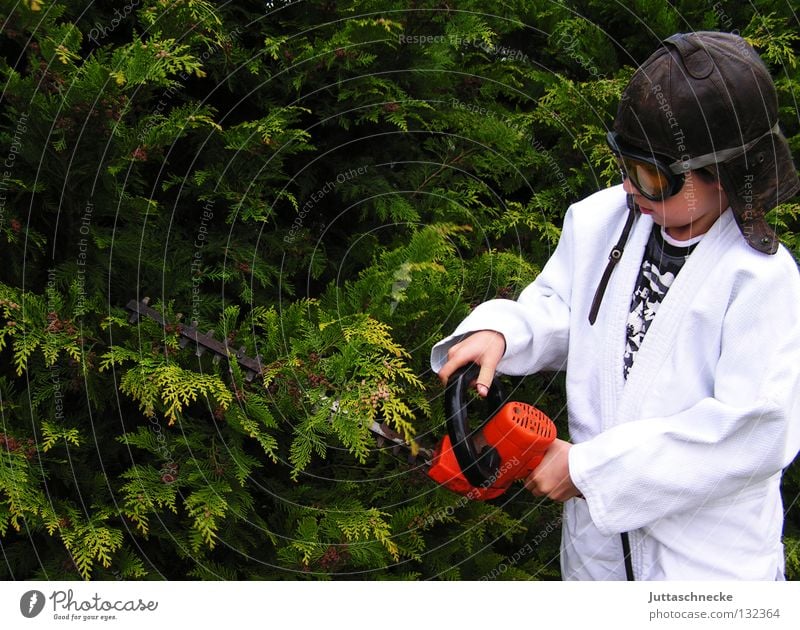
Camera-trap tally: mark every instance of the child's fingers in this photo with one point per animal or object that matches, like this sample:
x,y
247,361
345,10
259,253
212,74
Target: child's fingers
x,y
453,363
458,356
485,348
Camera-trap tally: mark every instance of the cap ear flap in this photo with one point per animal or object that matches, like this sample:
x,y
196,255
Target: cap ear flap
x,y
755,183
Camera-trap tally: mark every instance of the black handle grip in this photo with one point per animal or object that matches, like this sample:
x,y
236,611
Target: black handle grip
x,y
478,468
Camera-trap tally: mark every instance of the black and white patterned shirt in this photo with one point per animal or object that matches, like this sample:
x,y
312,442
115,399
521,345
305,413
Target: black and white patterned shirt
x,y
662,260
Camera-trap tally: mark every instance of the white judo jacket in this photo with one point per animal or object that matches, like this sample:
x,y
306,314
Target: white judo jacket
x,y
687,454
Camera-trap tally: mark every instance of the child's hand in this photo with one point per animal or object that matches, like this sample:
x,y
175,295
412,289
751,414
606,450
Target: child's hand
x,y
486,348
551,477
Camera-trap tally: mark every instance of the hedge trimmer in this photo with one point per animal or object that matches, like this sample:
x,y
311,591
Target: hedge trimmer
x,y
480,464
386,438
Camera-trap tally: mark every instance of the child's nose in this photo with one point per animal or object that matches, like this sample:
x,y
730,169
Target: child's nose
x,y
628,187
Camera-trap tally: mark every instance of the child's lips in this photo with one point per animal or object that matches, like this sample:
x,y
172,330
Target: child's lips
x,y
643,209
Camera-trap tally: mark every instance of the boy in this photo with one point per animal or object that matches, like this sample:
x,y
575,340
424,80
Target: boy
x,y
682,346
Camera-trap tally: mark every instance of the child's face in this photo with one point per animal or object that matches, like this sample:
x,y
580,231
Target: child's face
x,y
689,213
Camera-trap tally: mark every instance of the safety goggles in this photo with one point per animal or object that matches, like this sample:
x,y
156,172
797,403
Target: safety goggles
x,y
657,177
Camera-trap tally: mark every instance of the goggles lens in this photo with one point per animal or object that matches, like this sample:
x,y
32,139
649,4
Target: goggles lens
x,y
648,178
651,176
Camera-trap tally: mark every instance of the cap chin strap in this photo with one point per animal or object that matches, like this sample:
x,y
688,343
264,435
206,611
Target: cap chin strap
x,y
613,258
717,157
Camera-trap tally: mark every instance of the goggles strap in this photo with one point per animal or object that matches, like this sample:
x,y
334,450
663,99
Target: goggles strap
x,y
613,258
718,157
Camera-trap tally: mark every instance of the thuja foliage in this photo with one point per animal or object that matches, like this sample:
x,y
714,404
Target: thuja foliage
x,y
330,186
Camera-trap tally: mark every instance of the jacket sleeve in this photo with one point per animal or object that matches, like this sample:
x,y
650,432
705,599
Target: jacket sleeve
x,y
638,472
535,326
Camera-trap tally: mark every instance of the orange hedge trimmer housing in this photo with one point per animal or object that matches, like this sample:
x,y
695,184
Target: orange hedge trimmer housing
x,y
508,446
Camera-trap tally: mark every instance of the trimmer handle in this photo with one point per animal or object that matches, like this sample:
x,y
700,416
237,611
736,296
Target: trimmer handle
x,y
479,468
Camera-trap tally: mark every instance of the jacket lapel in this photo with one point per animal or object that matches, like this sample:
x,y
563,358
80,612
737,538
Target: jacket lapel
x,y
613,317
